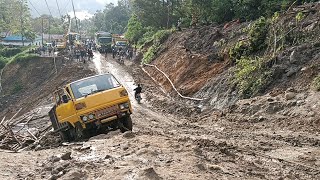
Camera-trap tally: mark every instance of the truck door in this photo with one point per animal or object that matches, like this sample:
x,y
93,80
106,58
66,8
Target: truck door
x,y
65,111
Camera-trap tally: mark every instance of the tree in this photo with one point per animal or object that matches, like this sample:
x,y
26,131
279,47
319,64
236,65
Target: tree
x,y
134,29
15,17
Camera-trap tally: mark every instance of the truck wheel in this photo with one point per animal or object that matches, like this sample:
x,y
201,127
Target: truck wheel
x,y
65,136
79,132
127,124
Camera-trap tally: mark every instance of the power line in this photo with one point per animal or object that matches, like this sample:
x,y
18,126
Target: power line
x,y
75,15
48,8
34,7
58,8
66,6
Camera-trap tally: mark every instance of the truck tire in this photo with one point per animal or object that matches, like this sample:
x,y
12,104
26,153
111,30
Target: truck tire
x,y
79,132
127,124
66,136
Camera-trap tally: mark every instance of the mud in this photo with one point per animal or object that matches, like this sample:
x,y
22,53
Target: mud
x,y
169,145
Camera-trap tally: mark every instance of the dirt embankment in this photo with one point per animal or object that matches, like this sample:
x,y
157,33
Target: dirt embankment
x,y
30,83
198,62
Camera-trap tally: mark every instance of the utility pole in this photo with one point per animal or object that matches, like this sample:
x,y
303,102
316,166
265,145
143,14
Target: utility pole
x,y
21,20
42,30
49,31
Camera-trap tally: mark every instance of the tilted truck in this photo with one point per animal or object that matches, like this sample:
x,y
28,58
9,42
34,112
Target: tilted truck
x,y
94,103
103,41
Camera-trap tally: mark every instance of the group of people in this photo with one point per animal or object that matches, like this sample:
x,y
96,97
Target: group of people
x,y
123,52
44,50
80,53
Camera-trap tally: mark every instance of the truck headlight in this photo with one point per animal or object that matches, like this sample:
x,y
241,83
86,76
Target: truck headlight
x,y
84,118
124,106
91,116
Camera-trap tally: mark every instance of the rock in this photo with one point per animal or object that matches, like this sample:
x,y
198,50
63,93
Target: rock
x,y
125,146
291,72
75,175
274,107
66,156
294,57
311,114
300,102
290,89
150,174
83,148
214,167
304,69
53,177
128,135
108,157
291,103
290,95
54,159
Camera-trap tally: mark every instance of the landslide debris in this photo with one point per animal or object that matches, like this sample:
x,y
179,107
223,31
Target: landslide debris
x,y
242,60
27,90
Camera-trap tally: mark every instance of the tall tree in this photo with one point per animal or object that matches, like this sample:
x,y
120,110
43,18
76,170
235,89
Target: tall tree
x,y
15,17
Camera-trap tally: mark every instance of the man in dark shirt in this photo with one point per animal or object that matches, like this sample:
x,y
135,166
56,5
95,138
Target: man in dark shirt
x,y
137,90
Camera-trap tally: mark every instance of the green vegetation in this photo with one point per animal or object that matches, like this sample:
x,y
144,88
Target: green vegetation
x,y
157,39
9,52
258,34
251,76
15,55
3,62
23,57
150,54
316,83
12,12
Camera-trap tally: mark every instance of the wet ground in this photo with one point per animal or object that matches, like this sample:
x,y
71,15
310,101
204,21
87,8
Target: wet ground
x,y
164,146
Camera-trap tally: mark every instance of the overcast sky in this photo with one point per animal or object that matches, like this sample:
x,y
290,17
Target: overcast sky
x,y
83,8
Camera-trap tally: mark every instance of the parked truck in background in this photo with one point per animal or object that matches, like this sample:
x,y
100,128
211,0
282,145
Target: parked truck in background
x,y
103,41
91,104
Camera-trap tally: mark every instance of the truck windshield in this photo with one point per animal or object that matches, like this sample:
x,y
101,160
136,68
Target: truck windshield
x,y
105,40
93,85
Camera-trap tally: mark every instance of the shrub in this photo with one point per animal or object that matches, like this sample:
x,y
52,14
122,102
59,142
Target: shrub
x,y
258,34
24,57
316,83
157,39
150,54
241,48
9,52
147,36
161,36
3,62
251,76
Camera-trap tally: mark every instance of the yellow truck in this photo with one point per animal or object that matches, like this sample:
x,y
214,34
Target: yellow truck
x,y
91,104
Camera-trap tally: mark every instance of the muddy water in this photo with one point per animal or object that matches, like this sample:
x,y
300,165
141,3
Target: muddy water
x,y
97,62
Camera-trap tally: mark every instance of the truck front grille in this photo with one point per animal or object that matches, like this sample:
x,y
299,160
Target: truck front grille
x,y
107,112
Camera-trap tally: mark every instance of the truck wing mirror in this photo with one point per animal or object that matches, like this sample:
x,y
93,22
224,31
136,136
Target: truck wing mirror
x,y
65,98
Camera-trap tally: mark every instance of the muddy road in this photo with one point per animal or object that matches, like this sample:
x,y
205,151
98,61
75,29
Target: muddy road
x,y
168,146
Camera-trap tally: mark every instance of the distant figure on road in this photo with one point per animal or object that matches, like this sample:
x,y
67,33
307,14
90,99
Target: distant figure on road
x,y
105,54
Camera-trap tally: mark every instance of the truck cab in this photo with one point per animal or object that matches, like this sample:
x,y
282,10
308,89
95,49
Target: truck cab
x,y
94,103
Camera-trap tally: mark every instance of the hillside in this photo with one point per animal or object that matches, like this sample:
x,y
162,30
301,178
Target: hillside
x,y
241,60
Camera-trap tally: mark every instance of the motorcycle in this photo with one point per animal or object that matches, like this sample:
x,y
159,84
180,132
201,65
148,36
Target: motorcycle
x,y
121,59
138,98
